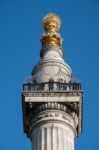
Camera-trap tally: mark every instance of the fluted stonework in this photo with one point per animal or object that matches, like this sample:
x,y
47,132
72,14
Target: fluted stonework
x,y
51,99
53,136
53,129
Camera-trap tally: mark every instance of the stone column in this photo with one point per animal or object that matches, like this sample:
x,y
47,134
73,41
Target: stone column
x,y
53,130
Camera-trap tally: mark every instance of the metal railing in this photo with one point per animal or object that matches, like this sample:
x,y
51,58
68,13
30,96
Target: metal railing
x,y
51,86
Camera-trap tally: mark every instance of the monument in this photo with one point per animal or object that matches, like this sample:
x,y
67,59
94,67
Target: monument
x,y
51,97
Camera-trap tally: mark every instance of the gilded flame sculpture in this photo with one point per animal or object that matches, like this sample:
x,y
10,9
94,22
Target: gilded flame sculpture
x,y
51,24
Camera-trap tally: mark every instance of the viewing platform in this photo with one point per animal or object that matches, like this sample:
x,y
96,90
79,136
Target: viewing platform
x,y
51,86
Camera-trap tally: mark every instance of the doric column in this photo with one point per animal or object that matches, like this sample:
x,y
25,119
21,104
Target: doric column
x,y
53,130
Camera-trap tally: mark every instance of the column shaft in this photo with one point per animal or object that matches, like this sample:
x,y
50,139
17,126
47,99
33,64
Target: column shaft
x,y
52,137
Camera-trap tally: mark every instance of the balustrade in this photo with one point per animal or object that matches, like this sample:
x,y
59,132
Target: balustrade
x,y
51,86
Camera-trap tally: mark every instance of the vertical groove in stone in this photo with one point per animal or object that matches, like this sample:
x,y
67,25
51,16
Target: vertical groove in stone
x,y
57,140
38,139
45,138
63,139
59,148
49,142
54,138
42,139
57,137
60,144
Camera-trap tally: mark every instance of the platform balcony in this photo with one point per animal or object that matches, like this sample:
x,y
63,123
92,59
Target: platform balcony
x,y
51,86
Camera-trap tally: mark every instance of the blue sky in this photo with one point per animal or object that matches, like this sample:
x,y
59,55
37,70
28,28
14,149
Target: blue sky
x,y
20,32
